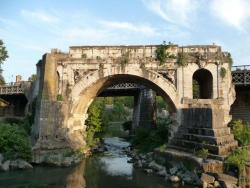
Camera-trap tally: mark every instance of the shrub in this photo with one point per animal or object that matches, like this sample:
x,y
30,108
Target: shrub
x,y
59,97
196,89
147,140
238,158
182,59
241,132
161,54
127,126
223,72
14,142
93,125
203,153
230,59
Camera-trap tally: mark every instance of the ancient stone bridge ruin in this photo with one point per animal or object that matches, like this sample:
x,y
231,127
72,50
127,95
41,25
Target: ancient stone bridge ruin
x,y
69,82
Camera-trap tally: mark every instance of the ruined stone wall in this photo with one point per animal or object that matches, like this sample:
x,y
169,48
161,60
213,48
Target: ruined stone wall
x,y
69,82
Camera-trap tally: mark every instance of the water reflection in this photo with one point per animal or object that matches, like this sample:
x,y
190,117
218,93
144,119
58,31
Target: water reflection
x,y
76,177
110,170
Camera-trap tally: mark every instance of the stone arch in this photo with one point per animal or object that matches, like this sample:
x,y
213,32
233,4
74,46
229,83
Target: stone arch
x,y
84,92
202,84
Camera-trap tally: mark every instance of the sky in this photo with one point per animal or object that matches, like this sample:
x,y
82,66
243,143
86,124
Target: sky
x,y
31,28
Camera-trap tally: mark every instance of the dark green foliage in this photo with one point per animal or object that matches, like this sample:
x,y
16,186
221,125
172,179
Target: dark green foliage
x,y
161,53
59,97
14,142
2,80
94,125
196,89
160,103
3,57
147,140
182,59
241,132
127,126
223,72
238,158
119,112
32,78
230,59
202,153
124,59
84,56
3,53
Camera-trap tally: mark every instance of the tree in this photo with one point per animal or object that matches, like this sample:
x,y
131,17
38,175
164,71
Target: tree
x,y
3,57
3,53
32,78
94,125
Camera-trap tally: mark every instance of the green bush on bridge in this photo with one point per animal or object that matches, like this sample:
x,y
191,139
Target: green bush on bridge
x,y
14,142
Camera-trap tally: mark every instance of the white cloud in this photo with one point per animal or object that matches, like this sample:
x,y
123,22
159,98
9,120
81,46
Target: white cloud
x,y
233,12
39,15
127,26
84,33
179,12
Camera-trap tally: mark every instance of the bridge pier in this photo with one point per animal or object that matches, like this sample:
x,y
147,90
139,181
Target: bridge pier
x,y
202,125
144,113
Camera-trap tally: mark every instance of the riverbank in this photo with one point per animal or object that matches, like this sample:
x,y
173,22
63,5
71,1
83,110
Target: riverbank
x,y
107,169
181,168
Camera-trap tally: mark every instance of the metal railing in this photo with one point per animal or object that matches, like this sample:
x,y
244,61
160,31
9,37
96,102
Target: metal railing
x,y
241,75
240,68
13,88
124,86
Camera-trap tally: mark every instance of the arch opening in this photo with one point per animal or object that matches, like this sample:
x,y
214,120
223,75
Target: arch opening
x,y
145,117
202,84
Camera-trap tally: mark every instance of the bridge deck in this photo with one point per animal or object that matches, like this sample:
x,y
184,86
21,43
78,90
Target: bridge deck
x,y
240,76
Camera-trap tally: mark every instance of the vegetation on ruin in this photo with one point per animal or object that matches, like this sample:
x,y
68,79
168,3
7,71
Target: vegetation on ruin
x,y
124,59
84,56
196,90
230,59
14,142
182,59
161,53
202,153
59,97
223,72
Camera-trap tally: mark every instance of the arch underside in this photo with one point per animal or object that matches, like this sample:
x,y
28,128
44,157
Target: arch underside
x,y
93,84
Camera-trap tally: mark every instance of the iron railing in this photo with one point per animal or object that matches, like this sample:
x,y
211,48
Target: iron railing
x,y
241,75
13,88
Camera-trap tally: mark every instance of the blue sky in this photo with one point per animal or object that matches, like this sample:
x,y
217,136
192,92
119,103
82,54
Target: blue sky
x,y
31,28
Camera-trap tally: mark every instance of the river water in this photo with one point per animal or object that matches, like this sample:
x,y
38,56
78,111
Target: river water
x,y
108,170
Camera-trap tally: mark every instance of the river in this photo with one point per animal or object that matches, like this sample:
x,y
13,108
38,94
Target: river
x,y
108,170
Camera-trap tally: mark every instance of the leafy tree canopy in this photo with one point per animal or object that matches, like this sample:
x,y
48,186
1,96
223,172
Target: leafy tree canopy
x,y
3,52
